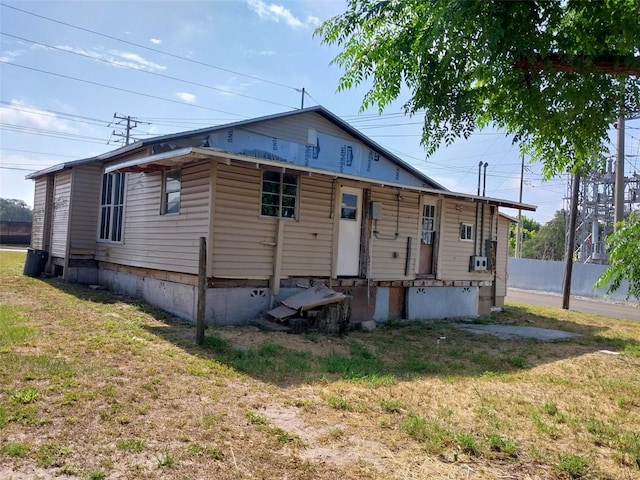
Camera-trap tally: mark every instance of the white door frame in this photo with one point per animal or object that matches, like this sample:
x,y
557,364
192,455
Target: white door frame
x,y
349,233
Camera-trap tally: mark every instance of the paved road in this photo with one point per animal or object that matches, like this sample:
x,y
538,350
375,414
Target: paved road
x,y
598,307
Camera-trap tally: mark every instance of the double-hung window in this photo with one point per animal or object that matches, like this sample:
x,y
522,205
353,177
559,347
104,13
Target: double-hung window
x,y
279,194
428,224
171,192
112,207
466,232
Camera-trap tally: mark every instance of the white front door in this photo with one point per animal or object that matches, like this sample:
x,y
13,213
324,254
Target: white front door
x,y
349,231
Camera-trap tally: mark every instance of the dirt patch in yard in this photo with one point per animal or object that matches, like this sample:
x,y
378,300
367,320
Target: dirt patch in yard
x,y
253,337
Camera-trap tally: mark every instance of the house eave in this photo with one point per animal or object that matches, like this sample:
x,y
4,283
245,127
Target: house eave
x,y
183,156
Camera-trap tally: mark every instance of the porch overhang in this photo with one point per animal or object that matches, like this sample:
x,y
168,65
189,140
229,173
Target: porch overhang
x,y
184,156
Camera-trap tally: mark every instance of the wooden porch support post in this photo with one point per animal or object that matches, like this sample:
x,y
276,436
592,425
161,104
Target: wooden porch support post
x,y
202,290
277,258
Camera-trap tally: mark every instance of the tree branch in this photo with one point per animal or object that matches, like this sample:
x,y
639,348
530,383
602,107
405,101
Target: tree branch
x,y
612,65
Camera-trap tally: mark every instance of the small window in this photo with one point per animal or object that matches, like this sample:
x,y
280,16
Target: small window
x,y
349,207
112,207
466,232
279,195
171,192
428,224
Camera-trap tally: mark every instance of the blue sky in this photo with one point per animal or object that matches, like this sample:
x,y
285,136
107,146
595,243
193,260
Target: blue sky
x,y
67,67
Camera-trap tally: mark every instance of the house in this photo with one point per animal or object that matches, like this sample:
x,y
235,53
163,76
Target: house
x,y
284,201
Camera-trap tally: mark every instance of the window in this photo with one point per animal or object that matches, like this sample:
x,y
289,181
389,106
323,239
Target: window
x,y
112,207
428,224
349,207
279,194
171,192
466,231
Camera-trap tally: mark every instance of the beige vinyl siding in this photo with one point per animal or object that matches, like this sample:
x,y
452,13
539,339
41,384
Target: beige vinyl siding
x,y
501,256
85,205
389,255
165,242
308,241
243,243
60,221
454,254
295,129
39,213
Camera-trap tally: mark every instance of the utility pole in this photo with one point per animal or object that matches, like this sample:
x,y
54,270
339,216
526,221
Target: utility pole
x,y
571,241
131,123
618,205
302,99
518,252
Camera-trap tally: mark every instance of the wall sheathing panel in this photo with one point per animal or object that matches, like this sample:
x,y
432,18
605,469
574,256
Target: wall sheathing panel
x,y
388,252
501,256
85,206
295,129
60,219
243,243
39,213
308,241
165,242
454,254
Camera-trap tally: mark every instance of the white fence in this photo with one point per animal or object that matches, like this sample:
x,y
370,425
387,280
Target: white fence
x,y
548,276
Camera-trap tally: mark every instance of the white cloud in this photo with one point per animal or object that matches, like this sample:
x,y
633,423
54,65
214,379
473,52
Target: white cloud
x,y
313,21
25,116
155,41
116,57
9,56
138,62
278,13
187,97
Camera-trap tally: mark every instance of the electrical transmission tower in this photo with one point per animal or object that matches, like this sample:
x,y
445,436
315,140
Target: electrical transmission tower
x,y
126,123
596,210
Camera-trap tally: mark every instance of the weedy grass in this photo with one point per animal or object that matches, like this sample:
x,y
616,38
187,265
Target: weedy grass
x,y
95,384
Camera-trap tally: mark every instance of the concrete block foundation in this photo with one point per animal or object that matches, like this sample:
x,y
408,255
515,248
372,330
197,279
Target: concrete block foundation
x,y
432,303
176,298
239,305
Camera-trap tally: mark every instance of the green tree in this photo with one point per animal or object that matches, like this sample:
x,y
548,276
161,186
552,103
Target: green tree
x,y
624,261
553,73
549,242
529,229
14,210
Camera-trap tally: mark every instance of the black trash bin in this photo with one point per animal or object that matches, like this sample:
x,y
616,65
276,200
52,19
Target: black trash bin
x,y
35,262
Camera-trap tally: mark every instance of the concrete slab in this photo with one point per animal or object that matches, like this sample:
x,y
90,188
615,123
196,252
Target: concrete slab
x,y
514,331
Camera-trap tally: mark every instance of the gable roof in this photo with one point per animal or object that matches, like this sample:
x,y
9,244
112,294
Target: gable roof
x,y
323,112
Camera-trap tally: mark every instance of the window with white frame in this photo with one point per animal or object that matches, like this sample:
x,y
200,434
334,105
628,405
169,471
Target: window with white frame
x,y
428,224
112,207
466,232
279,197
171,184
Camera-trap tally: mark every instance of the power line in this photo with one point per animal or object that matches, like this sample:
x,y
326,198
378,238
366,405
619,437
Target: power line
x,y
110,62
49,154
50,133
39,111
119,89
150,48
21,169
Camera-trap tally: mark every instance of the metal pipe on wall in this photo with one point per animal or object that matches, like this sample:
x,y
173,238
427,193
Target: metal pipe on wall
x,y
475,236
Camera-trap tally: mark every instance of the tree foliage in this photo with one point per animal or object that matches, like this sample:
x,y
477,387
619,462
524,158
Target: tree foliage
x,y
529,228
543,242
541,70
14,210
624,260
549,242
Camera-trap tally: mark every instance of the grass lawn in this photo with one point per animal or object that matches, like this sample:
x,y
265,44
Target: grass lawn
x,y
97,386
